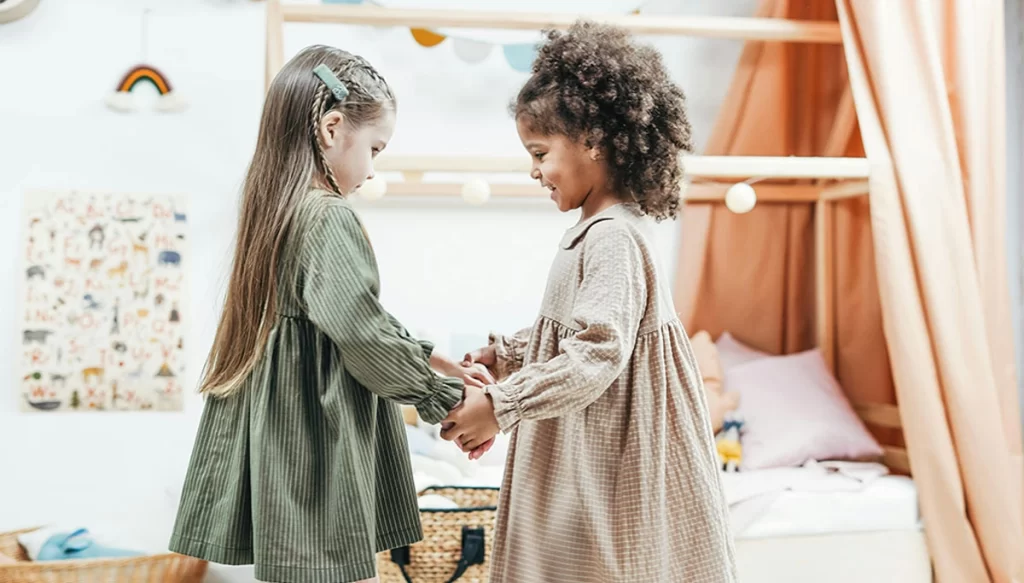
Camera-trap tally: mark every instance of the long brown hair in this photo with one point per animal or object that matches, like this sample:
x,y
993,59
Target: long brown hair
x,y
287,161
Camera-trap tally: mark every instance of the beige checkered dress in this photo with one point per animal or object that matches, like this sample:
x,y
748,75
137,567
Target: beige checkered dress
x,y
612,474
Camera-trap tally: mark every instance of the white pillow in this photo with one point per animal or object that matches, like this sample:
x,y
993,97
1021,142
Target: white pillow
x,y
794,411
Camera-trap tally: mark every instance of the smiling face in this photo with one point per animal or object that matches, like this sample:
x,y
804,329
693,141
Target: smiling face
x,y
573,172
350,151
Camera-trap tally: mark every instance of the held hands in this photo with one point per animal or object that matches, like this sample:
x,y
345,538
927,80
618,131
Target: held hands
x,y
482,358
470,373
472,424
474,375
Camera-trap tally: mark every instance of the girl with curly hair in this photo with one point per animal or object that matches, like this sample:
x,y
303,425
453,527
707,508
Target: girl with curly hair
x,y
612,474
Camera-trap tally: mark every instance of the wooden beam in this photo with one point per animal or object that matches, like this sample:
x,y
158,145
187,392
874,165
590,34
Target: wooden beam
x,y
824,279
766,193
446,189
896,458
843,190
779,167
741,167
879,415
738,28
702,192
275,43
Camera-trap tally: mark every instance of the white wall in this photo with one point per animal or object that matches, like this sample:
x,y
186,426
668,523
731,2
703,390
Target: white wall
x,y
446,268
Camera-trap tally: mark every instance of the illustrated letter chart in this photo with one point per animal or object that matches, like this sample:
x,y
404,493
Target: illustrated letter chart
x,y
101,301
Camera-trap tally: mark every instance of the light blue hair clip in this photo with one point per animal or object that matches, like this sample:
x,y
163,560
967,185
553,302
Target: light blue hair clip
x,y
336,87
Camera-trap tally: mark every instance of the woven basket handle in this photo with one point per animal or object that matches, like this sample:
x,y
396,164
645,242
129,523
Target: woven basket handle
x,y
472,554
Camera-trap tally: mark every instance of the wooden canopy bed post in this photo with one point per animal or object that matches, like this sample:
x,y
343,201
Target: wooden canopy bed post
x,y
835,179
275,42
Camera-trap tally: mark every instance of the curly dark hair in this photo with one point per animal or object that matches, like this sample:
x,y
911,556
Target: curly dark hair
x,y
593,83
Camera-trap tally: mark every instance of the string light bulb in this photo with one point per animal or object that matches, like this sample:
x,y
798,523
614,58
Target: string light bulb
x,y
740,198
476,191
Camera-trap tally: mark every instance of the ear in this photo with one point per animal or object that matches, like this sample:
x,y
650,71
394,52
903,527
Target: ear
x,y
329,130
595,154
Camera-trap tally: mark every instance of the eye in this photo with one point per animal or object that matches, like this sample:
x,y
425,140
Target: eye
x,y
538,155
375,151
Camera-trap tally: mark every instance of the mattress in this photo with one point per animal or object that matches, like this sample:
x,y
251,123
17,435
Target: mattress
x,y
839,522
889,503
898,556
820,498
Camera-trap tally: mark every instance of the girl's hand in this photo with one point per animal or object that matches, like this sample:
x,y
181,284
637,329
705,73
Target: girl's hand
x,y
472,375
487,356
478,452
476,375
472,423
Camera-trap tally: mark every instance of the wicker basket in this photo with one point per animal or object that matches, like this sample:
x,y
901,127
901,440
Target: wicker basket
x,y
456,543
164,568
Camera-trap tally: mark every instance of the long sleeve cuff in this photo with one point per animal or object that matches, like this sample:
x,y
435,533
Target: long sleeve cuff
x,y
507,409
448,393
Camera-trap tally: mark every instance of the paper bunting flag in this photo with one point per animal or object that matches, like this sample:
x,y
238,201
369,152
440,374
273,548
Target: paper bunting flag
x,y
471,51
520,57
475,48
426,38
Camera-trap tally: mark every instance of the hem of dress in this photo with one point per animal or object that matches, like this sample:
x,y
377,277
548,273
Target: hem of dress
x,y
399,538
346,573
209,551
219,554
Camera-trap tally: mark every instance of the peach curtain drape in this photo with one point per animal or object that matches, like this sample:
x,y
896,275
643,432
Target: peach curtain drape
x,y
922,302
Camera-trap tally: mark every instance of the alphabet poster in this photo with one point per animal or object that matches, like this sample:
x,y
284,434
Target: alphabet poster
x,y
102,306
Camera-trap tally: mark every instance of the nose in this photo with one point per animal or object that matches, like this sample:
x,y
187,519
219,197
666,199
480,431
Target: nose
x,y
371,174
535,174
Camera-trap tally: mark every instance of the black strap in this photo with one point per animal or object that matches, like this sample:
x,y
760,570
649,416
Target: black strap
x,y
400,557
473,553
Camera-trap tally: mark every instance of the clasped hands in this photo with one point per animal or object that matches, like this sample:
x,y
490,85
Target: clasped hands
x,y
471,424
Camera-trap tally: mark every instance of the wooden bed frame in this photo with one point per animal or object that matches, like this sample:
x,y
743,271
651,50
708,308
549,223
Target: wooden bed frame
x,y
835,179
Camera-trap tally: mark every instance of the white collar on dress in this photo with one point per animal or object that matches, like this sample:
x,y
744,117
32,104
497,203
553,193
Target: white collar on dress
x,y
621,210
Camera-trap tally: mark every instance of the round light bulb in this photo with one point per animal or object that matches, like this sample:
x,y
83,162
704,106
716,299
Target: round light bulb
x,y
740,198
374,188
476,191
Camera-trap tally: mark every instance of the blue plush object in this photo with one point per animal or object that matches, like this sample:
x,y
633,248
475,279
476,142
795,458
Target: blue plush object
x,y
79,545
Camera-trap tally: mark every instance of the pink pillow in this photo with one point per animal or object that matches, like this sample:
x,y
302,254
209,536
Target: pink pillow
x,y
732,352
794,411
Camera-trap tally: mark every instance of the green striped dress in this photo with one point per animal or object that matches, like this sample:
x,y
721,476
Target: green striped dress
x,y
305,471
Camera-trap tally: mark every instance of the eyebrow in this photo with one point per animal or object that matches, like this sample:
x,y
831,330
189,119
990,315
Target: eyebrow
x,y
534,145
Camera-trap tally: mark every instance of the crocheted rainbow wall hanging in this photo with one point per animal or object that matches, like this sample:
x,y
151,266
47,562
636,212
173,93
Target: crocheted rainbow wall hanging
x,y
123,100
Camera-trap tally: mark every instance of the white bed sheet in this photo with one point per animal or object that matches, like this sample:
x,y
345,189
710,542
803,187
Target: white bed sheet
x,y
887,504
819,498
